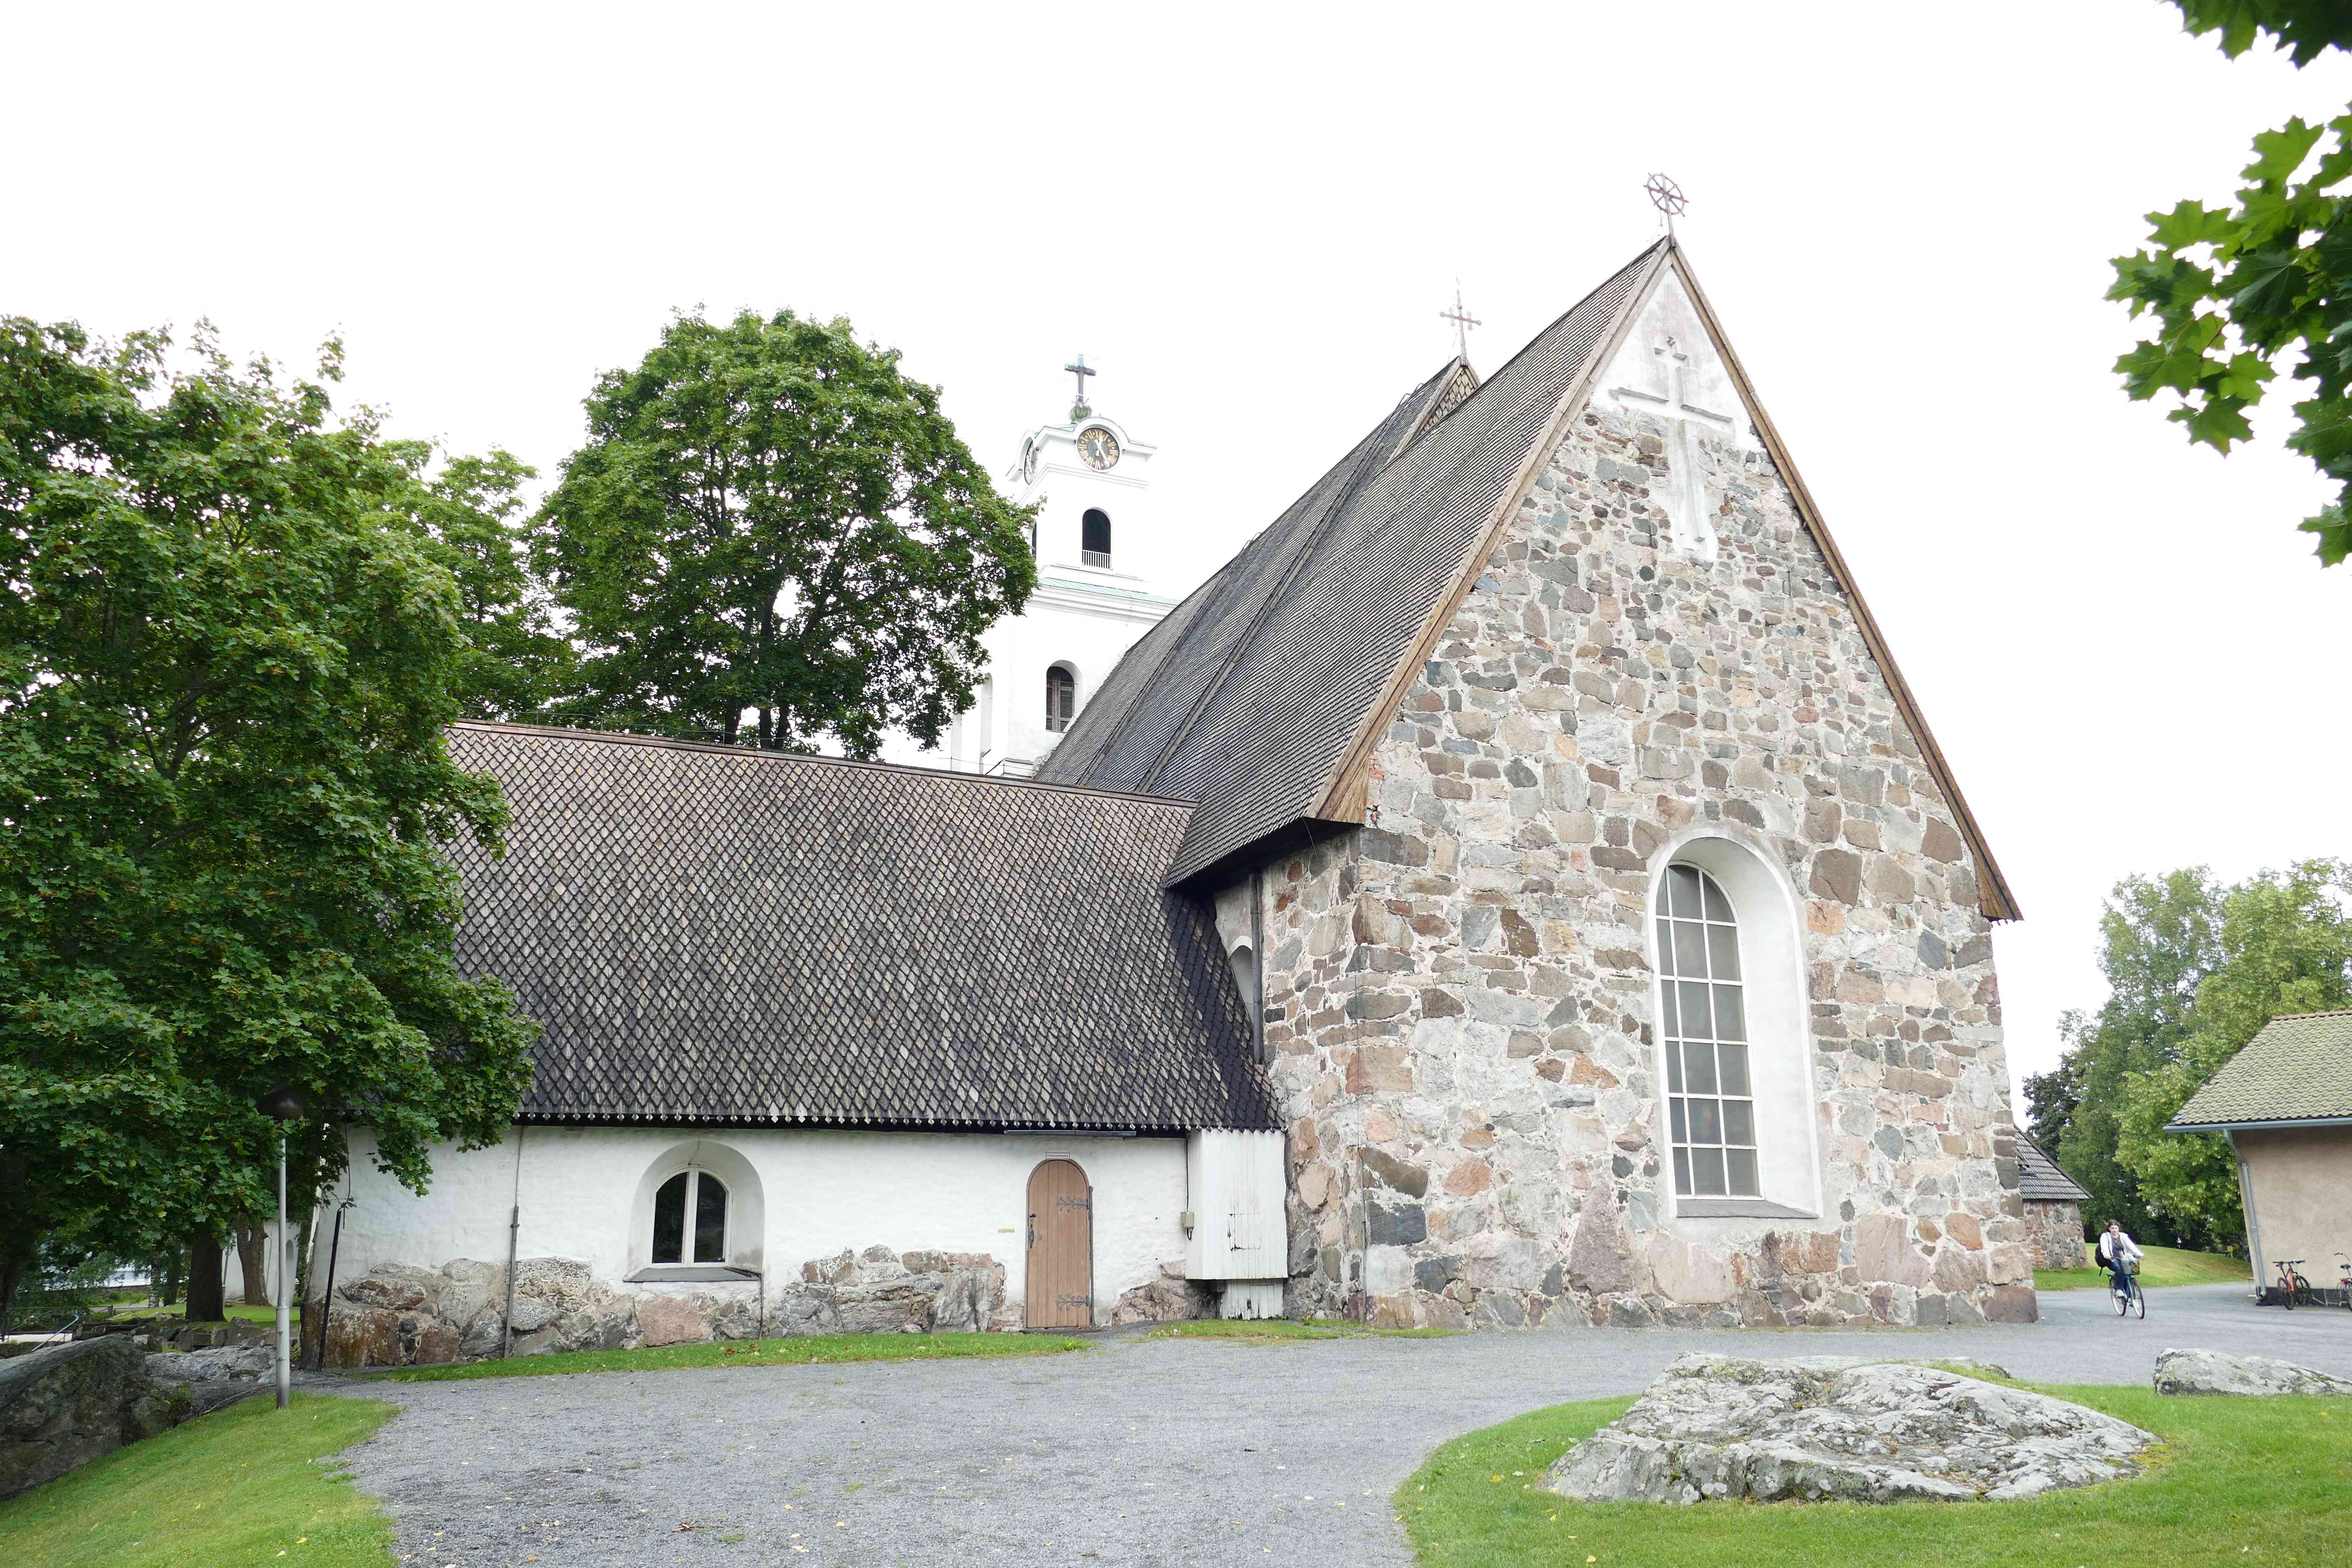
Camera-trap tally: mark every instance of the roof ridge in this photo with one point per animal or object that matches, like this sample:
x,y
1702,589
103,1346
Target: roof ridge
x,y
666,742
1427,391
2291,1017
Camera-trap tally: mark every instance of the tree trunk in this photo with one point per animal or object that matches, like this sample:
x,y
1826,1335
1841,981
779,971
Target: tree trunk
x,y
12,1274
204,1303
253,1257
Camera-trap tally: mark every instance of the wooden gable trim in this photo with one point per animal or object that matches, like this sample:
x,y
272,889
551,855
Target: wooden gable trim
x,y
1992,888
1346,790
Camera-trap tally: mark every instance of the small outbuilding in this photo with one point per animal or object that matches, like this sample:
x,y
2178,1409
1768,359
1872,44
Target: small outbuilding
x,y
2053,1208
2284,1103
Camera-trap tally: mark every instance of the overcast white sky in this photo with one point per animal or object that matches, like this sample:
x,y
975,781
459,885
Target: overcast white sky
x,y
1248,218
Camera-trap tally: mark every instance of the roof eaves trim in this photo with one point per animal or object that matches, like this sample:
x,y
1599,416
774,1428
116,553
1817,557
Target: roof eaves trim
x,y
1992,888
2257,1126
1344,794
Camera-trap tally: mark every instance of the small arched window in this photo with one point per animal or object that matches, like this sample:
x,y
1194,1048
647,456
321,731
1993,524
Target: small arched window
x,y
1094,537
1703,1006
1061,697
690,1219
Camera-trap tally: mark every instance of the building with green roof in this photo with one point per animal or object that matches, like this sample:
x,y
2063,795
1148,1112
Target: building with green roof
x,y
2284,1103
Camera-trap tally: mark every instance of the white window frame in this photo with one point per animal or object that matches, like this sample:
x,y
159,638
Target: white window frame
x,y
1783,1073
1066,667
1682,1131
696,1175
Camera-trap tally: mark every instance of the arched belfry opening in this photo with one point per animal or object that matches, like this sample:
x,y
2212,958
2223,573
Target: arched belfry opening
x,y
1094,537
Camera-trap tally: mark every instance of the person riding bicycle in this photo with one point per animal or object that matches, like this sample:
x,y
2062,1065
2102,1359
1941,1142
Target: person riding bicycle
x,y
2117,1253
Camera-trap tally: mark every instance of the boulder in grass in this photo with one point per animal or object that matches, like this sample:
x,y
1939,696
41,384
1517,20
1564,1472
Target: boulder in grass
x,y
65,1406
2210,1372
1824,1429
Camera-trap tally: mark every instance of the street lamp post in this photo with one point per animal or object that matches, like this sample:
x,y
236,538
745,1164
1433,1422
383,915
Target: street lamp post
x,y
283,1104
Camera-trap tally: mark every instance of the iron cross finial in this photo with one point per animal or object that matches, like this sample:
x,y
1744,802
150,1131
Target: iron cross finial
x,y
1667,197
1078,409
1463,321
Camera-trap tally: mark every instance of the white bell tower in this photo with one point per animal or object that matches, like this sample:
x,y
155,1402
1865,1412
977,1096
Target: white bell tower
x,y
1102,565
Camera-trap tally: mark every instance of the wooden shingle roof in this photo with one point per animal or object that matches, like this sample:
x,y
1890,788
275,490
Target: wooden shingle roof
x,y
708,934
2041,1180
2298,1070
1262,696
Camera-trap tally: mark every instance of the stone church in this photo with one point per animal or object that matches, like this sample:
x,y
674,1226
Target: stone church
x,y
1518,890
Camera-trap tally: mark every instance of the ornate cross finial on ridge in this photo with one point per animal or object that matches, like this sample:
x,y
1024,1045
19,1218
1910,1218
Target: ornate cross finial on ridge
x,y
1078,409
1463,321
1667,197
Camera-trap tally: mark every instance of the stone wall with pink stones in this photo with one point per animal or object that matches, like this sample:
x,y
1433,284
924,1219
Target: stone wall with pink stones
x,y
1460,1008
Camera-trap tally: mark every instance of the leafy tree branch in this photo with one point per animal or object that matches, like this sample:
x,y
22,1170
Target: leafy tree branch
x,y
2237,294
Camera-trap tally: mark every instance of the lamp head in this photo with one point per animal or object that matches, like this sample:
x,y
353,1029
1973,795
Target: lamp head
x,y
282,1103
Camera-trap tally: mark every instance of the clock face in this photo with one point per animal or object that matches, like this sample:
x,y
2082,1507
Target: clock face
x,y
1029,464
1098,447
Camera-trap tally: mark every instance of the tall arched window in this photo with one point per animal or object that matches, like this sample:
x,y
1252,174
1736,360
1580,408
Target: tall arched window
x,y
1061,697
1094,537
692,1198
1703,1013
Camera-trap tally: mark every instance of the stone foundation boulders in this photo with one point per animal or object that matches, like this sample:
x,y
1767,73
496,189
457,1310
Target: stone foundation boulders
x,y
1821,1428
1170,1299
878,1291
401,1315
63,1407
2210,1372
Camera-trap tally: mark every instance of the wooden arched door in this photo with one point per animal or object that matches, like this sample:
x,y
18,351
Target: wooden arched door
x,y
1060,1288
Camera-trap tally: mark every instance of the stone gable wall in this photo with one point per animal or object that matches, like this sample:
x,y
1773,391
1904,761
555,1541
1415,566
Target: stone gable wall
x,y
2054,1232
1459,1005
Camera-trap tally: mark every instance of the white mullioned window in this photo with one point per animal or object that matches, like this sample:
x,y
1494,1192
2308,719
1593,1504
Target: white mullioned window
x,y
690,1218
1703,1013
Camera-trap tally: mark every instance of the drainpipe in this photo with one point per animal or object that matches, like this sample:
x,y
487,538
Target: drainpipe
x,y
1364,1251
326,1306
2246,1208
514,1232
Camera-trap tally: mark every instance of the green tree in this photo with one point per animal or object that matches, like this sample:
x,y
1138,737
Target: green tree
x,y
769,518
517,663
2240,291
2158,939
2287,947
227,654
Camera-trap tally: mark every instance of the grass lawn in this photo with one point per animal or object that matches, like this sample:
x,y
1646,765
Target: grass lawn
x,y
2159,1265
801,1351
2264,1474
240,1486
1266,1330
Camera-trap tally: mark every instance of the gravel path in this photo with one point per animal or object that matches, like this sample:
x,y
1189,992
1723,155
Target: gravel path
x,y
1136,1452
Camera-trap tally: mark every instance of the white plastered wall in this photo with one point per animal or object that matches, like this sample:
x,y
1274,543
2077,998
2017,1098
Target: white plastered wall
x,y
821,1192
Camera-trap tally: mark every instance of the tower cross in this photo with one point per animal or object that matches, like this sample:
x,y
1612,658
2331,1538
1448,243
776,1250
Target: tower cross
x,y
1078,409
1463,321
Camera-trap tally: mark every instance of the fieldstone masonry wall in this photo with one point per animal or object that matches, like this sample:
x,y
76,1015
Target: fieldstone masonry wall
x,y
2054,1232
1459,1004
399,1315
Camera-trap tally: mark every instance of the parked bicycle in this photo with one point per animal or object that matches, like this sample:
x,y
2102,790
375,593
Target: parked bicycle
x,y
2344,1270
2293,1290
2126,1290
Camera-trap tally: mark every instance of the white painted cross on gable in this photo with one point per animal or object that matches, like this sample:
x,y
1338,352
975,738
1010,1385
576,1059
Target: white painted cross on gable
x,y
1668,397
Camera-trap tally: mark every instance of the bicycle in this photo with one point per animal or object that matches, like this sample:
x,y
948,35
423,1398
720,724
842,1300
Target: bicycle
x,y
2293,1290
2128,1294
2343,1269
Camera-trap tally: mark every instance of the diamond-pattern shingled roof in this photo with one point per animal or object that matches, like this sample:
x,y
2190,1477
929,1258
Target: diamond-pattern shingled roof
x,y
709,934
2299,1068
1245,699
2041,1180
